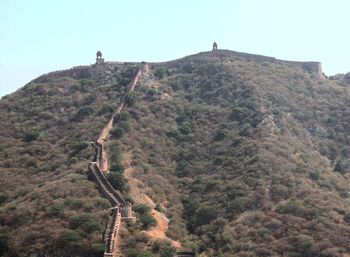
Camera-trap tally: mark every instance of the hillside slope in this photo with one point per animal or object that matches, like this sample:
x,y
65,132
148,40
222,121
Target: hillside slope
x,y
244,156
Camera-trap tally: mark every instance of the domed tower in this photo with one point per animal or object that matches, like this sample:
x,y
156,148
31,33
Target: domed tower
x,y
99,59
215,46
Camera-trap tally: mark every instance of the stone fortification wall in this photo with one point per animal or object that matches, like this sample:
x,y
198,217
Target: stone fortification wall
x,y
111,238
77,72
121,207
105,187
109,226
100,72
137,64
315,67
96,70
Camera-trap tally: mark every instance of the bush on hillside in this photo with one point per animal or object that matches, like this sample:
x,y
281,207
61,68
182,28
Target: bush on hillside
x,y
70,241
3,198
83,112
106,109
145,254
4,243
117,132
31,136
85,222
130,98
117,180
347,218
220,135
145,216
160,72
305,245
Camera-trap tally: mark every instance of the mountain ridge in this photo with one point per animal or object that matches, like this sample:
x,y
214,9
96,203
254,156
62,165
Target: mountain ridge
x,y
80,70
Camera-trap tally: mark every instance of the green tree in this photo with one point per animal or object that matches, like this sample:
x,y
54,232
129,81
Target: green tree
x,y
91,226
341,166
220,135
160,72
168,251
70,239
85,222
145,254
84,112
56,210
205,215
105,109
305,245
185,128
314,175
237,114
4,243
117,132
142,209
3,198
146,218
148,221
31,136
181,169
77,221
117,180
347,218
130,98
117,168
188,68
125,116
80,146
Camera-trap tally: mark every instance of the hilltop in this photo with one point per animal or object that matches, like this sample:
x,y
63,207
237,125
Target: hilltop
x,y
220,153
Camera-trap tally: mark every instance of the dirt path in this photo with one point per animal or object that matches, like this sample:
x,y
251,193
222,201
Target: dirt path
x,y
137,191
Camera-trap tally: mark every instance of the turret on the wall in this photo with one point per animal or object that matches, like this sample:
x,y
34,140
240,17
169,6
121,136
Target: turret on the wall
x,y
215,46
99,59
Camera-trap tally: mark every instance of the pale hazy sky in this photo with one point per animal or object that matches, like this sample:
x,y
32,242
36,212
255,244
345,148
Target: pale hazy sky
x,y
38,36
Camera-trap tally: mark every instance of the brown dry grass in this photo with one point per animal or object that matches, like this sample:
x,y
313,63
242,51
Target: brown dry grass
x,y
137,191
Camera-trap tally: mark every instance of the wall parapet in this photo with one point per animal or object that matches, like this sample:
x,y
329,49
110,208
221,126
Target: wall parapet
x,y
113,195
312,66
112,237
76,71
122,208
85,70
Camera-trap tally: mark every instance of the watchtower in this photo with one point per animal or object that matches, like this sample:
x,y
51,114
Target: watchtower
x,y
99,59
126,211
215,46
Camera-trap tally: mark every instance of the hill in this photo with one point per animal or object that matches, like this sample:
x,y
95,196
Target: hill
x,y
221,153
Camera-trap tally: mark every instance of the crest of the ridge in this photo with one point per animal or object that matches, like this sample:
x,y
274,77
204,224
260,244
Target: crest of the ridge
x,y
215,53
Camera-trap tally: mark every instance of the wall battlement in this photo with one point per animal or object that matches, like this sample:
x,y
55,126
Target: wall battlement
x,y
86,71
315,67
81,71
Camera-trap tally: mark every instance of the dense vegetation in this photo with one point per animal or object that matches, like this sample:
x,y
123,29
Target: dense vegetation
x,y
49,207
245,158
258,154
